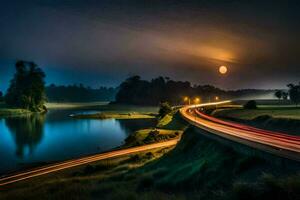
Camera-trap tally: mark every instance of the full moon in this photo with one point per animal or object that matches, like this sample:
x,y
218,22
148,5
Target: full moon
x,y
223,69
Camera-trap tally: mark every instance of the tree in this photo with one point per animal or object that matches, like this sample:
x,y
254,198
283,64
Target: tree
x,y
164,109
285,95
27,88
278,94
250,105
294,93
1,96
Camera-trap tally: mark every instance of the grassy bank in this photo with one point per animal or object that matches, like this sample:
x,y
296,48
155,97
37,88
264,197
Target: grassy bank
x,y
5,111
106,115
103,106
153,135
74,105
248,114
169,127
172,121
10,112
282,119
197,168
108,111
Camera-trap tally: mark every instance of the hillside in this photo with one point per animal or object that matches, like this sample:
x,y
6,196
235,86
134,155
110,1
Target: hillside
x,y
198,167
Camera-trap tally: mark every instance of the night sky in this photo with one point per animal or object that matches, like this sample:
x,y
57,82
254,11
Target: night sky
x,y
103,42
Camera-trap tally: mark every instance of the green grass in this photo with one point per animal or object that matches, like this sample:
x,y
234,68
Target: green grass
x,y
152,135
276,112
106,115
103,106
5,111
279,119
8,112
72,105
85,182
172,121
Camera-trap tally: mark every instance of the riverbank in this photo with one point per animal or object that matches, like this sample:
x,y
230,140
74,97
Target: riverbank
x,y
171,126
5,111
106,115
11,112
151,135
102,106
73,105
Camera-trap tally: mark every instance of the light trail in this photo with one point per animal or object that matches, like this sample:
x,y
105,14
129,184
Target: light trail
x,y
81,161
274,142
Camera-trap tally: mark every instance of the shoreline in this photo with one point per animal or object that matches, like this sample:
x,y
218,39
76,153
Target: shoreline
x,y
101,116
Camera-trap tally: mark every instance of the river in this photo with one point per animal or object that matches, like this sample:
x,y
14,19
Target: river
x,y
39,139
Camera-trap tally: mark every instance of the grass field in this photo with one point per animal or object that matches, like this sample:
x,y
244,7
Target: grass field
x,y
248,114
285,119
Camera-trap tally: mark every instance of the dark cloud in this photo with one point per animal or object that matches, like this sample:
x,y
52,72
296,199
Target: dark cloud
x,y
102,42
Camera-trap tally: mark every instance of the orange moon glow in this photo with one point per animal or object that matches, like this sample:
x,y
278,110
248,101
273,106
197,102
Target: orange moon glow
x,y
223,69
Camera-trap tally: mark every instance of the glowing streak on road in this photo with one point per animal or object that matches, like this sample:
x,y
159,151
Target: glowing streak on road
x,y
228,129
76,162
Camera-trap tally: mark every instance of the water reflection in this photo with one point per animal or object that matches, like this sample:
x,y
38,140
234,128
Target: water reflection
x,y
56,136
27,132
130,126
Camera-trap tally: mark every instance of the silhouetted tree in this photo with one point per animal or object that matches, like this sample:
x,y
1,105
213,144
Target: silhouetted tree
x,y
294,93
75,93
27,88
1,96
285,95
278,94
164,109
250,105
141,92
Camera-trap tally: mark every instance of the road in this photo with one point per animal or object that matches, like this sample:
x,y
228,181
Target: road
x,y
81,161
274,142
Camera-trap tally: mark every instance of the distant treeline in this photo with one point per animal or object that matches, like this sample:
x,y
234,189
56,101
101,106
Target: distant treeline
x,y
79,93
134,90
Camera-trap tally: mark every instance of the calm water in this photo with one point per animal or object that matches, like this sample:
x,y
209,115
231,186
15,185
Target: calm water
x,y
29,141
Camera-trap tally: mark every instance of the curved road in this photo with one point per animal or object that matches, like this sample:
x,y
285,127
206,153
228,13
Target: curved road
x,y
274,142
277,143
76,162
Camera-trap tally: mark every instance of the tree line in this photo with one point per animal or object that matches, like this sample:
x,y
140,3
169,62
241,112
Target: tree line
x,y
134,90
79,93
293,93
27,90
